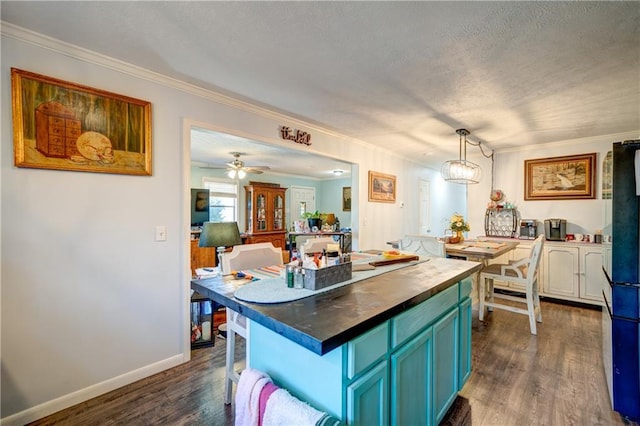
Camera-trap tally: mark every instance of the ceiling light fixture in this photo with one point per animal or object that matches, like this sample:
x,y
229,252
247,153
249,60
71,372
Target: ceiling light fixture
x,y
338,172
461,170
240,174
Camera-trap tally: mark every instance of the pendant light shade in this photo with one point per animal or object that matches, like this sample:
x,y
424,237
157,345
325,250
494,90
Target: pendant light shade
x,y
461,170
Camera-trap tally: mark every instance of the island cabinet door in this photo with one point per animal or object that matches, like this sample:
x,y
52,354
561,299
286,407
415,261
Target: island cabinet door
x,y
465,343
445,362
411,391
367,398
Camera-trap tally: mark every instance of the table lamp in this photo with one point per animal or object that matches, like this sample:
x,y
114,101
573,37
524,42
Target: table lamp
x,y
220,235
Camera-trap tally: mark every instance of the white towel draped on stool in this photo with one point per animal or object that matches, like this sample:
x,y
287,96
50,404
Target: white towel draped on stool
x,y
283,409
248,396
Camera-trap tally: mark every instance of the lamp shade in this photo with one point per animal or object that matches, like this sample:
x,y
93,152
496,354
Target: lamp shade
x,y
219,234
461,171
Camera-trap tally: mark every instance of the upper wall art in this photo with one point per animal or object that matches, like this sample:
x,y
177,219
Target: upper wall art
x,y
382,187
571,177
66,126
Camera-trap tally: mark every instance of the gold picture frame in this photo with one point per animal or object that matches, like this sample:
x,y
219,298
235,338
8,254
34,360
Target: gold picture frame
x,y
382,187
66,126
346,198
571,177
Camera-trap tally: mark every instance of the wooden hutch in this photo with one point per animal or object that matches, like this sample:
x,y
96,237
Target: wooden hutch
x,y
265,214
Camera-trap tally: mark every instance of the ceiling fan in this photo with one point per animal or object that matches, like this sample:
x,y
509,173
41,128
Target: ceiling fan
x,y
237,168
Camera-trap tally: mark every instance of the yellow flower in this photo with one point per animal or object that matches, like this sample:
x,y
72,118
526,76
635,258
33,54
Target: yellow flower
x,y
457,223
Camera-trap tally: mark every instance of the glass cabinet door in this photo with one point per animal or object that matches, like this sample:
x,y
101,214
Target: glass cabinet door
x,y
261,211
278,212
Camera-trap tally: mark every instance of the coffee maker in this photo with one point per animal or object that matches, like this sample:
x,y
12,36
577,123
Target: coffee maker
x,y
528,229
555,229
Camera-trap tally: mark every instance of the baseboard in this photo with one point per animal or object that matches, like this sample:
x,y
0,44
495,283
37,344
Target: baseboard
x,y
69,400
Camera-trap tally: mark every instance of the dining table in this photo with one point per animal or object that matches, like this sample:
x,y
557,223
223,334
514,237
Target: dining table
x,y
481,251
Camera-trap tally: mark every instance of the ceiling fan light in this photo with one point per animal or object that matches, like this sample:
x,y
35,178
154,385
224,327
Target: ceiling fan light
x,y
231,174
241,174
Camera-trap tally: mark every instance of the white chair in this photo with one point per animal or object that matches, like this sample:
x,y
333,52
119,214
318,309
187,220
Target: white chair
x,y
422,244
316,245
525,272
246,256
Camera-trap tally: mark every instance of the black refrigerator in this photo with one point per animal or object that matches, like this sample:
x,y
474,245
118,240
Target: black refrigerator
x,y
621,314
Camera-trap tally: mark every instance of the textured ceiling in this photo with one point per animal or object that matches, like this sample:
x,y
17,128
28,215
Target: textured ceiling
x,y
397,74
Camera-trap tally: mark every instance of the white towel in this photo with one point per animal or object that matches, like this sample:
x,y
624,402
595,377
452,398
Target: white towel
x,y
283,409
248,396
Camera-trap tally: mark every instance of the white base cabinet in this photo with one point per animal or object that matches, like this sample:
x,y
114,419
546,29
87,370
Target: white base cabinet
x,y
568,271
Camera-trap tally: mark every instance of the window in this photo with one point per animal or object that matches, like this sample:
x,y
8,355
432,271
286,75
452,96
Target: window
x,y
223,200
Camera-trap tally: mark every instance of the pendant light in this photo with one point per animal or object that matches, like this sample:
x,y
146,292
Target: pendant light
x,y
463,171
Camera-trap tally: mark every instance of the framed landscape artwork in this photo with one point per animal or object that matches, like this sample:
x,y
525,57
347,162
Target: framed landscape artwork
x,y
346,198
65,126
570,177
382,187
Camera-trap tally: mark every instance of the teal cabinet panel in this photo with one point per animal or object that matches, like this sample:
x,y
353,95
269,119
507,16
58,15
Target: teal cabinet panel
x,y
410,380
408,323
465,343
465,288
367,398
445,362
365,350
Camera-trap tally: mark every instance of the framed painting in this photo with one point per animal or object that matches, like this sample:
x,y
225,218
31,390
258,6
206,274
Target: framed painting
x,y
346,198
382,187
66,126
570,177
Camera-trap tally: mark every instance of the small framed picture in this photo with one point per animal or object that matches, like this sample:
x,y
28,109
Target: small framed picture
x,y
382,187
346,198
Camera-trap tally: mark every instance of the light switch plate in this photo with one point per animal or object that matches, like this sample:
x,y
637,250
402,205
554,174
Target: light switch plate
x,y
161,233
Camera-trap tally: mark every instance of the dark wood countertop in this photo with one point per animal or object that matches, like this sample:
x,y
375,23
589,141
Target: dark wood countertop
x,y
325,321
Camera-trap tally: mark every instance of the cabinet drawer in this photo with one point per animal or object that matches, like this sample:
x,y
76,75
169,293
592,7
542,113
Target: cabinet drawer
x,y
412,321
366,349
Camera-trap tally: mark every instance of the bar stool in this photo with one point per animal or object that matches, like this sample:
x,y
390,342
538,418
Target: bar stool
x,y
246,256
524,271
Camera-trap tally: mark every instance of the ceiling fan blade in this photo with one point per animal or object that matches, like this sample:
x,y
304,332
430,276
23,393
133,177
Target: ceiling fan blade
x,y
256,170
214,167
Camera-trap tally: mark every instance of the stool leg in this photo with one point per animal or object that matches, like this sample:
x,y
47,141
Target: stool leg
x,y
531,309
229,360
536,301
481,295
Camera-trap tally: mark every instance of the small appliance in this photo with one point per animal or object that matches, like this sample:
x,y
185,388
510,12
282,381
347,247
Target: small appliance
x,y
528,229
555,229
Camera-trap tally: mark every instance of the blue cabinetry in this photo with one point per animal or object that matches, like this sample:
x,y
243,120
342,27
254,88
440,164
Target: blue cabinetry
x,y
406,370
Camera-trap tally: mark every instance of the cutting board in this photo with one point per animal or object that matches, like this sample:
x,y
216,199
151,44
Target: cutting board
x,y
400,259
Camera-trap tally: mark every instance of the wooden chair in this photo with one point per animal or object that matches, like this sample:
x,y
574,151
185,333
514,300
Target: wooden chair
x,y
422,244
246,256
524,271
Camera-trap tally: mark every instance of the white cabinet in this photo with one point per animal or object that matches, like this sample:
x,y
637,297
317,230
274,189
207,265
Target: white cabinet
x,y
573,272
591,275
568,271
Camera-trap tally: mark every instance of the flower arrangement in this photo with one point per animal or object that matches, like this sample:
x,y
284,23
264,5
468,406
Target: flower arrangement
x,y
457,223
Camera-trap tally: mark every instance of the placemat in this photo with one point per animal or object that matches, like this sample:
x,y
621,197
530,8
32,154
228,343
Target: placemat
x,y
275,290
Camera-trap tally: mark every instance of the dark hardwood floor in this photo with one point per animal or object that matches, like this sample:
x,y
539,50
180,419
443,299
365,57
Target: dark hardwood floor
x,y
554,378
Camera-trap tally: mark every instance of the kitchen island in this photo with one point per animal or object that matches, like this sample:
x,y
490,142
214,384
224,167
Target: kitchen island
x,y
391,349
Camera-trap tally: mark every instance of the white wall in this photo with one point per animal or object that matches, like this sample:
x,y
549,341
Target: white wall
x,y
583,216
90,301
